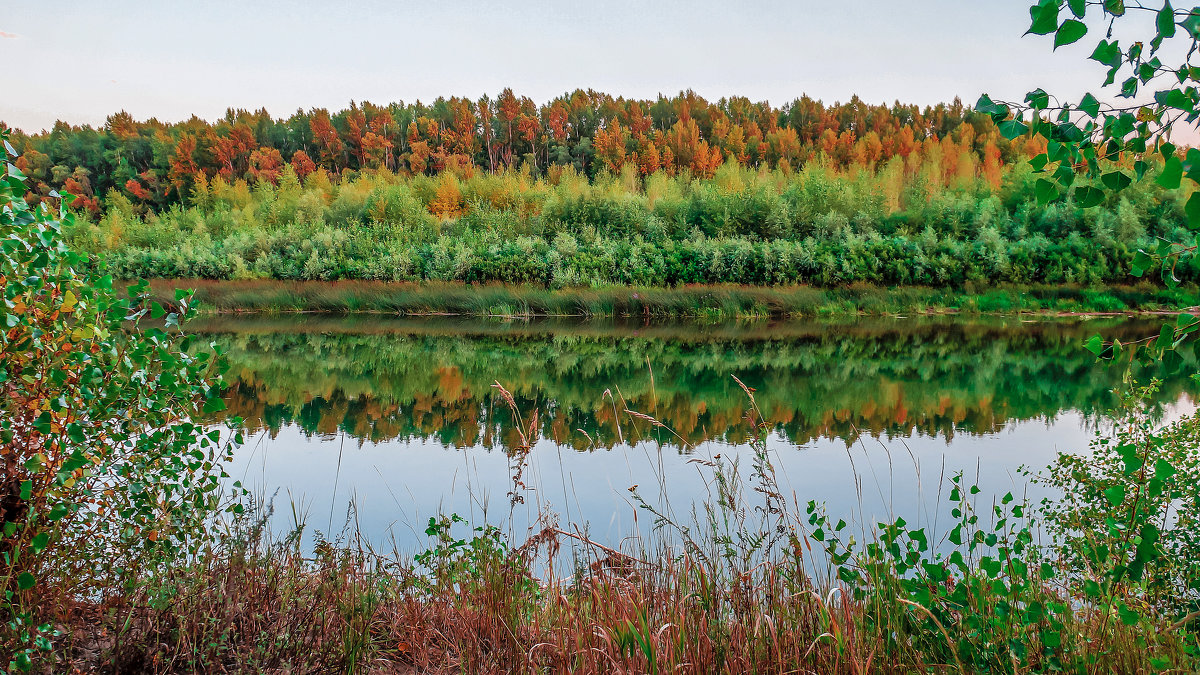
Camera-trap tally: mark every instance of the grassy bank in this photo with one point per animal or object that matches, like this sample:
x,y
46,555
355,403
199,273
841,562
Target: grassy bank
x,y
699,301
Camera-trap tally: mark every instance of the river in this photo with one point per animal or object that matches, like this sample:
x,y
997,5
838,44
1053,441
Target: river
x,y
371,425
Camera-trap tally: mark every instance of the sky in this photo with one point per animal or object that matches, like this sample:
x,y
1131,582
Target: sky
x,y
81,61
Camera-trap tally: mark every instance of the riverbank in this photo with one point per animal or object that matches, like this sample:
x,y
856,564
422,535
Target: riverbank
x,y
715,302
751,582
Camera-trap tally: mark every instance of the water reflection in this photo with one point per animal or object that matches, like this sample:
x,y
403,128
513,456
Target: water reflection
x,y
400,415
431,379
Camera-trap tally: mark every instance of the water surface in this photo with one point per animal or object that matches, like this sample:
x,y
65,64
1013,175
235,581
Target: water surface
x,y
400,418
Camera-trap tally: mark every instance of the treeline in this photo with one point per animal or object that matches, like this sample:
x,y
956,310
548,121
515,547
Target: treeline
x,y
156,164
591,190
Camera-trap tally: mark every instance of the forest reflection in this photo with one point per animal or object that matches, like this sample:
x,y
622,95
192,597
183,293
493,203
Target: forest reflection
x,y
378,379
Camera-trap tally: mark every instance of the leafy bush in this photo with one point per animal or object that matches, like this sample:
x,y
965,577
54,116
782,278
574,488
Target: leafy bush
x,y
106,474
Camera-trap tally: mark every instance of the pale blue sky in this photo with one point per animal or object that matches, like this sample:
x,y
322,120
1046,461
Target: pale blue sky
x,y
80,61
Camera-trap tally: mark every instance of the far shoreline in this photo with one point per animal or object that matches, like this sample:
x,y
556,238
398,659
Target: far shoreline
x,y
703,302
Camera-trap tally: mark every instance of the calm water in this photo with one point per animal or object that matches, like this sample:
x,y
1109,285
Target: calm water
x,y
399,417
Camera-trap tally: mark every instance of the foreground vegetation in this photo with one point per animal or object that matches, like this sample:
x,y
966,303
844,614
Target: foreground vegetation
x,y
750,581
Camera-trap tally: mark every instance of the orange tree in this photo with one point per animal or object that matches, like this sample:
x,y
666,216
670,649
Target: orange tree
x,y
105,472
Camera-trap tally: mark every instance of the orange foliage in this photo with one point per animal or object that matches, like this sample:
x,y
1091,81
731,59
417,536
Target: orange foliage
x,y
302,164
265,165
137,190
610,146
448,201
326,138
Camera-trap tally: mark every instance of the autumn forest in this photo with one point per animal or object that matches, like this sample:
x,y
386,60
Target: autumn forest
x,y
157,164
588,190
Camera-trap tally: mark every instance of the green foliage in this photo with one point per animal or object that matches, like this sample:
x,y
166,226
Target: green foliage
x,y
106,472
1131,507
1123,528
989,598
984,594
459,563
978,599
819,226
1084,138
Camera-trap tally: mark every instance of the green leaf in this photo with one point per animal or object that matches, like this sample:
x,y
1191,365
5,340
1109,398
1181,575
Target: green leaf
x,y
1174,98
1172,174
1090,105
1108,53
1044,17
1115,495
1115,7
1191,23
26,581
1166,337
1011,129
1087,197
57,512
1130,457
1141,262
987,106
1165,21
1052,639
1184,319
1095,345
1046,191
40,542
1192,210
1116,181
1163,469
1069,32
1078,7
1038,99
1128,616
214,404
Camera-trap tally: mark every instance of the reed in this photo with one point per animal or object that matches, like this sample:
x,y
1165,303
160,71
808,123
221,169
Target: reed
x,y
714,302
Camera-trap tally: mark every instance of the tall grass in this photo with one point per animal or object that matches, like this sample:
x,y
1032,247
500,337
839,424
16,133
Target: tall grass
x,y
718,302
